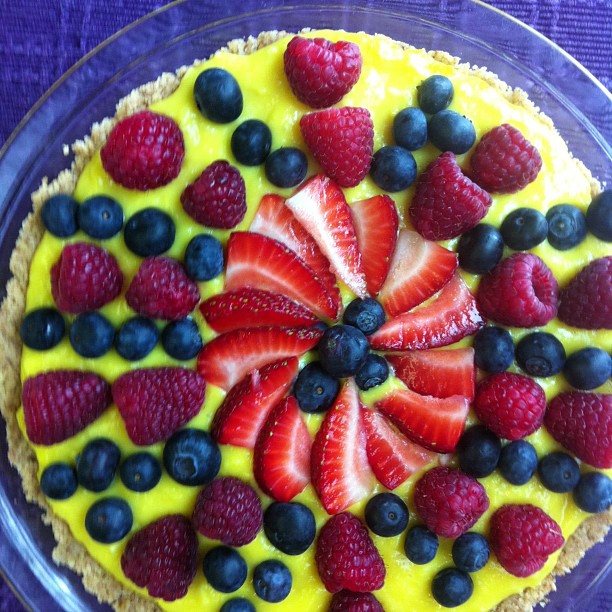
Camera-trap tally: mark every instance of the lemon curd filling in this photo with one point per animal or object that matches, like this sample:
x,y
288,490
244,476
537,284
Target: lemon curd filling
x,y
388,83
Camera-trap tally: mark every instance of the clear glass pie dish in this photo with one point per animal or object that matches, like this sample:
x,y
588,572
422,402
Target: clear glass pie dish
x,y
171,37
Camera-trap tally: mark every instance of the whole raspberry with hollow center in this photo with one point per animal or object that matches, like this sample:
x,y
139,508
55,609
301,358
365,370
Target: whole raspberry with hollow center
x,y
347,601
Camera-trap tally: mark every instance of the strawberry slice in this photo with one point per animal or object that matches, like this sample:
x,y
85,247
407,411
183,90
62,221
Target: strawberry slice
x,y
341,474
438,373
419,269
376,224
281,460
254,260
245,408
320,206
434,423
453,315
229,357
392,457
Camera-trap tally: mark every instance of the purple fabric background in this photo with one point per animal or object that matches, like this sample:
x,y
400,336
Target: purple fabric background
x,y
39,41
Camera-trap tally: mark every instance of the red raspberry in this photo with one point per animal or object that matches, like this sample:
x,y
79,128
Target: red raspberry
x,y
217,198
446,203
504,161
161,289
582,423
155,402
449,502
321,72
57,405
520,291
163,557
144,151
342,141
522,536
346,556
347,601
85,277
587,301
229,510
511,405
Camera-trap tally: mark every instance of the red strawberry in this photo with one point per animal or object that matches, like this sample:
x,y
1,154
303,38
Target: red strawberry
x,y
439,373
376,223
342,141
347,601
85,277
320,206
451,316
229,357
281,460
163,557
446,203
319,71
161,289
257,261
58,405
392,457
341,475
156,402
419,269
144,151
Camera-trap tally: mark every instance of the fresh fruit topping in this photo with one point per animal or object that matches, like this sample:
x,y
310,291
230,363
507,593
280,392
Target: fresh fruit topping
x,y
478,451
91,334
435,93
286,167
149,232
97,464
366,315
518,462
452,587
251,142
192,457
446,203
470,552
315,390
59,481
140,472
347,601
524,228
42,329
450,131
386,515
588,368
136,338
480,248
59,404
290,527
493,349
59,215
593,492
393,168
522,537
181,339
599,216
237,604
567,226
559,472
321,72
343,350
217,95
203,258
100,217
225,569
272,581
410,128
372,373
109,520
540,354
421,545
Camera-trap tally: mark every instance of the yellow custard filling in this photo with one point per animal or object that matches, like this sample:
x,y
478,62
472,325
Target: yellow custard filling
x,y
387,84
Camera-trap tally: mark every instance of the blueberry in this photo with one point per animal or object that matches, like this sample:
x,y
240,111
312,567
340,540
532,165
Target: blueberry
x,y
518,462
91,334
97,464
109,520
599,216
251,142
42,329
566,226
588,368
524,228
421,545
59,481
100,217
272,581
393,168
192,457
478,451
410,129
493,349
238,604
372,373
140,472
218,95
136,338
149,232
480,248
386,515
315,389
343,350
59,215
366,315
286,167
450,131
225,569
290,527
451,587
181,339
559,472
540,354
470,552
204,257
593,493
435,93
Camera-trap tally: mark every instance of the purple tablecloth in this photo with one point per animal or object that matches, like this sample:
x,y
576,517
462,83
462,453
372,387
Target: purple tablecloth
x,y
39,41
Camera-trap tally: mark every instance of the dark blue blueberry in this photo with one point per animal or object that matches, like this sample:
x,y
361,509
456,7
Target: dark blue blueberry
x,y
452,587
480,248
238,604
272,581
59,481
181,339
588,368
286,167
204,257
435,93
372,373
251,142
470,552
42,329
366,315
518,462
493,349
386,515
478,451
192,457
599,216
140,472
91,334
136,338
559,472
540,354
421,545
566,226
524,228
109,520
410,129
59,215
149,232
97,464
225,569
218,95
100,217
343,350
593,493
290,527
393,168
450,131
315,390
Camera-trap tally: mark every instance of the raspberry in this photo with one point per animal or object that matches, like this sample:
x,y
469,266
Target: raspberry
x,y
346,556
155,402
161,289
57,405
449,502
510,405
521,291
446,203
582,423
85,277
163,557
522,536
217,198
587,301
341,140
229,510
321,72
347,601
144,151
504,161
